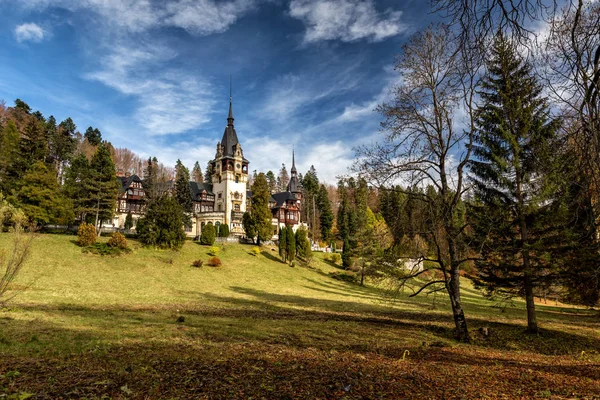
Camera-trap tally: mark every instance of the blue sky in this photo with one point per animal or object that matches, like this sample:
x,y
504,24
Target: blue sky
x,y
153,76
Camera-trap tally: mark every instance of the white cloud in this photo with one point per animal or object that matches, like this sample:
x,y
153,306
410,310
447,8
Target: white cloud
x,y
198,17
346,20
29,32
169,100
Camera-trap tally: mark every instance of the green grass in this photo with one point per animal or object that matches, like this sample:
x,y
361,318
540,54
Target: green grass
x,y
103,316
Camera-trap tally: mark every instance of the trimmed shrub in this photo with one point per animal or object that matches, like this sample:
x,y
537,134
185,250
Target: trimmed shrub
x,y
224,230
335,258
214,251
128,221
214,262
208,235
344,276
117,240
255,251
327,257
198,263
86,234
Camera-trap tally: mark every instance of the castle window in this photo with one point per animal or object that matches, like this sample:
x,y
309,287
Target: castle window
x,y
236,207
220,195
237,179
219,178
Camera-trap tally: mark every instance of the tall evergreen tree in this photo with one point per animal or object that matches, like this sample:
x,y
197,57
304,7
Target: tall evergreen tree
x,y
40,197
162,225
325,214
34,144
290,244
513,177
197,173
9,157
261,213
249,225
283,243
183,193
103,185
283,179
93,136
208,173
272,181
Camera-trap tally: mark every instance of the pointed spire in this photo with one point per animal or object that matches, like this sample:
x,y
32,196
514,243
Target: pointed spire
x,y
230,116
293,170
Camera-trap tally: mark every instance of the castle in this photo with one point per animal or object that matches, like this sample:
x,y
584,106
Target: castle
x,y
224,200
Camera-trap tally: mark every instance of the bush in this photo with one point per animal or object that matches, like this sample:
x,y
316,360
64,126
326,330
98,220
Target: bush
x,y
208,235
223,230
214,250
162,226
117,240
255,251
214,262
335,258
86,234
198,263
344,276
103,249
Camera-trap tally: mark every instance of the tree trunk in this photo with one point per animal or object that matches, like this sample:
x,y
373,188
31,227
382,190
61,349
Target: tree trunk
x,y
97,214
532,326
461,332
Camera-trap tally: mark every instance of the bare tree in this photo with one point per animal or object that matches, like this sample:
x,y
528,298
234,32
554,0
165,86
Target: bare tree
x,y
424,148
571,61
12,261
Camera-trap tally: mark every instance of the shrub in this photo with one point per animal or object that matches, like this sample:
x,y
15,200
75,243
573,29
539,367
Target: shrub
x,y
214,262
117,240
327,257
103,249
162,226
86,234
335,258
255,251
344,276
208,235
224,230
214,250
128,221
198,263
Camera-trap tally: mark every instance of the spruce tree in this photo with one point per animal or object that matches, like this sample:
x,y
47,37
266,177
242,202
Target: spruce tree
x,y
261,213
283,244
249,225
283,179
208,173
183,193
512,173
40,198
93,136
128,221
272,181
75,187
325,213
197,173
103,185
162,225
9,155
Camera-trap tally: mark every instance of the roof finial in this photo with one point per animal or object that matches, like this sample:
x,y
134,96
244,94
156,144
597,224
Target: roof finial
x,y
230,116
293,170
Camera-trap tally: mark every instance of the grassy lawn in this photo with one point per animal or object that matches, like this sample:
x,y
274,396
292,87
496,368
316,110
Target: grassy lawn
x,y
87,326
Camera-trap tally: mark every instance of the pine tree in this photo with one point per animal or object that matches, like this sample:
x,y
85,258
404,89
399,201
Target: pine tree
x,y
283,179
512,175
325,213
197,173
272,181
162,225
224,231
93,136
77,180
9,155
102,185
40,198
208,173
249,225
128,221
208,235
310,193
261,213
34,144
283,244
290,244
183,193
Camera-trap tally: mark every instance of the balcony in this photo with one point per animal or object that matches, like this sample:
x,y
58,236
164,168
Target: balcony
x,y
237,215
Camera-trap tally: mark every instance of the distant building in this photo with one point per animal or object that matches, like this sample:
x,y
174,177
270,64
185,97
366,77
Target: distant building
x,y
226,198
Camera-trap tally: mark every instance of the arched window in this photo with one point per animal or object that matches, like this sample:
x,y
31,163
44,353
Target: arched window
x,y
236,207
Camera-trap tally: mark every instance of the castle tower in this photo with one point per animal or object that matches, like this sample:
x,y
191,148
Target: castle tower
x,y
230,176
